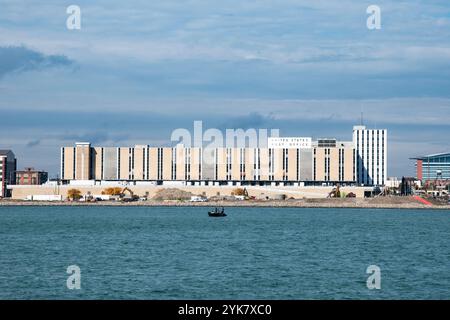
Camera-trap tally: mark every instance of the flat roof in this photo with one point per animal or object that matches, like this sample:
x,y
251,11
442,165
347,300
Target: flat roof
x,y
432,156
5,153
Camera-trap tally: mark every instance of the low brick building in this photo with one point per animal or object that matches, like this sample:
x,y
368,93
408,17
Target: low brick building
x,y
30,176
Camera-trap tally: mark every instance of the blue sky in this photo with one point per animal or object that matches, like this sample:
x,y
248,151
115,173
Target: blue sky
x,y
139,69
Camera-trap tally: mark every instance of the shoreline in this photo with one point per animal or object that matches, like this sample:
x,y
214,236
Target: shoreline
x,y
306,203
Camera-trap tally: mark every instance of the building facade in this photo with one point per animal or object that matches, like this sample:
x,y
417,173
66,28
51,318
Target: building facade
x,y
371,155
433,167
252,166
287,161
30,176
8,164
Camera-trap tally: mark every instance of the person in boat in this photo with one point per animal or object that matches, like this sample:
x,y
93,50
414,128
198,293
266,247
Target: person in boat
x,y
223,210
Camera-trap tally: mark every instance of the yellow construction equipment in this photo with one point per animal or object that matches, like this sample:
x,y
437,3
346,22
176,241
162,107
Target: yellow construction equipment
x,y
335,193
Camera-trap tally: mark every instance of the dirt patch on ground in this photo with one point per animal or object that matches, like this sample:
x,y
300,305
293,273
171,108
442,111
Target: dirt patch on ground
x,y
172,194
391,200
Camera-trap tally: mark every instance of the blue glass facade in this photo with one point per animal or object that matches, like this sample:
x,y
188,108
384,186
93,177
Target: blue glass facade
x,y
434,167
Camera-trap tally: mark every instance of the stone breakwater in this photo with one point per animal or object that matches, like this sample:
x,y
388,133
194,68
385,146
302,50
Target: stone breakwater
x,y
378,203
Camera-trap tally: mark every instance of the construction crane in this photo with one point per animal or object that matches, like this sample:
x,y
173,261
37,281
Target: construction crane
x,y
335,193
129,197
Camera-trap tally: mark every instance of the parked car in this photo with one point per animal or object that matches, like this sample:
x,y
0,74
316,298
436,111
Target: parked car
x,y
198,199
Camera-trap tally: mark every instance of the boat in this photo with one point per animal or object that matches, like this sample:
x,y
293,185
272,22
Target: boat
x,y
217,213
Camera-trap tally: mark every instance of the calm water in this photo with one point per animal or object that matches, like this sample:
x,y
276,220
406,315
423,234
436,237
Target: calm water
x,y
181,253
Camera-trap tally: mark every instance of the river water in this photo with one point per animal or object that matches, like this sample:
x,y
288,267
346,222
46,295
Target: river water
x,y
253,253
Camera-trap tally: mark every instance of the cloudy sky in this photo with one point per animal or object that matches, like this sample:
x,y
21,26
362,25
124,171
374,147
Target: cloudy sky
x,y
137,70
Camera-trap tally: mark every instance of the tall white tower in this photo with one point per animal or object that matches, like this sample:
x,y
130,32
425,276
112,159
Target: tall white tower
x,y
371,155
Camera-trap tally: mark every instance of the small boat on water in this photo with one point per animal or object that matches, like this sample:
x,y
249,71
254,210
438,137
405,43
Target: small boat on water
x,y
217,213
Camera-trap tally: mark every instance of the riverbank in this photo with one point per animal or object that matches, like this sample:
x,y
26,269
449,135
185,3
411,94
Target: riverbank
x,y
373,203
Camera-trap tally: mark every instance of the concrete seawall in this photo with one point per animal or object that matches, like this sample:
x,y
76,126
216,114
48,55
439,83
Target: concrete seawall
x,y
21,192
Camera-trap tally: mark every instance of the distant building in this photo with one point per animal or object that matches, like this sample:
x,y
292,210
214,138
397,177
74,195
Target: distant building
x,y
393,182
29,176
407,186
286,161
8,164
226,166
433,167
371,152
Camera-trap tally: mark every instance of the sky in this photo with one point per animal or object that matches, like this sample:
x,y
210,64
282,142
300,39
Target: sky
x,y
137,70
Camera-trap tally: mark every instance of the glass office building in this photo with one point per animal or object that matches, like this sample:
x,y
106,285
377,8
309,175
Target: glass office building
x,y
433,167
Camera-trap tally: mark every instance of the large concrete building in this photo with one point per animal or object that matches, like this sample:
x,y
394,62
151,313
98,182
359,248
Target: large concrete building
x,y
8,164
219,166
287,161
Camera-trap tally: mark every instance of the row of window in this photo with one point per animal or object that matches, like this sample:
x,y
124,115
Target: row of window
x,y
130,156
369,172
445,159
